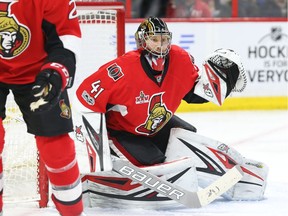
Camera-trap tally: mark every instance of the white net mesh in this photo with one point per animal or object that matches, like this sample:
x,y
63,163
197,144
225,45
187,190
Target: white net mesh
x,y
99,30
20,158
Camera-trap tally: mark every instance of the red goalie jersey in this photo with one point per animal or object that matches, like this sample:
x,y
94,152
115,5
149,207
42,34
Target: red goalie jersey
x,y
22,51
130,95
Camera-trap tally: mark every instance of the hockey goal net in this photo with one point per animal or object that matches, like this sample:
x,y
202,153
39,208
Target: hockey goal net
x,y
102,26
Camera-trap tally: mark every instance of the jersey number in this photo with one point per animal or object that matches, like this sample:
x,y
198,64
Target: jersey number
x,y
73,12
96,89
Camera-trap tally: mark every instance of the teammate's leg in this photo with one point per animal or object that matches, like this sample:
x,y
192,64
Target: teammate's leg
x,y
56,148
58,154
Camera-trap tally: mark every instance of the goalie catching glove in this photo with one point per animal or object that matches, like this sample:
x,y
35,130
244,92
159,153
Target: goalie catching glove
x,y
222,73
49,84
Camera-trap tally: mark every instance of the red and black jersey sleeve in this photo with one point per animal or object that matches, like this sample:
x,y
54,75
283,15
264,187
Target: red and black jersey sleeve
x,y
61,28
46,31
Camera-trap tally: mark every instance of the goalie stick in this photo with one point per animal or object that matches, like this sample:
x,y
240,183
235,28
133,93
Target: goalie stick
x,y
189,199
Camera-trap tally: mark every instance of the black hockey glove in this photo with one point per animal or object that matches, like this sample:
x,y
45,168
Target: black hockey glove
x,y
47,88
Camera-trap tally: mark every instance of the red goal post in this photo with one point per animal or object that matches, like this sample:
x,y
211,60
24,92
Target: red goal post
x,y
119,18
103,39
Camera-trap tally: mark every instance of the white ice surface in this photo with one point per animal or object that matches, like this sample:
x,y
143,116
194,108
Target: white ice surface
x,y
259,135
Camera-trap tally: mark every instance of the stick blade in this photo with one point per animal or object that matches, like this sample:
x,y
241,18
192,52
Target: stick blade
x,y
220,186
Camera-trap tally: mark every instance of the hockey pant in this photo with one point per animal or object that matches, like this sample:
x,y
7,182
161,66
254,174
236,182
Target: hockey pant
x,y
213,158
145,150
59,157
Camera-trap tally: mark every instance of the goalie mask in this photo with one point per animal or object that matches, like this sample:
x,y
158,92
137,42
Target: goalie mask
x,y
153,35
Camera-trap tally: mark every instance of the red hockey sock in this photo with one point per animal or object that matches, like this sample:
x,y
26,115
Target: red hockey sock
x,y
76,210
58,154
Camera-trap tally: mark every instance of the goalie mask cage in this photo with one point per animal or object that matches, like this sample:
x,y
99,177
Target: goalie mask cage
x,y
24,178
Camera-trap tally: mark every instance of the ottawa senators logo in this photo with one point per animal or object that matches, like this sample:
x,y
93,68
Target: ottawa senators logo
x,y
158,116
14,37
66,112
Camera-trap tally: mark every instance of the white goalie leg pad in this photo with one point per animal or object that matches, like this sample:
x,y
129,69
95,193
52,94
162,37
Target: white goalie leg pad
x,y
97,141
182,166
213,158
90,130
180,172
169,168
253,184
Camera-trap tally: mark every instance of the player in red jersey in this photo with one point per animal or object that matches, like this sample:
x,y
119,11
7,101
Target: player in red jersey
x,y
139,93
38,46
141,90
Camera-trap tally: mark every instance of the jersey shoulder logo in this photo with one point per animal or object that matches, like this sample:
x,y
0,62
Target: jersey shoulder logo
x,y
114,71
158,116
14,36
